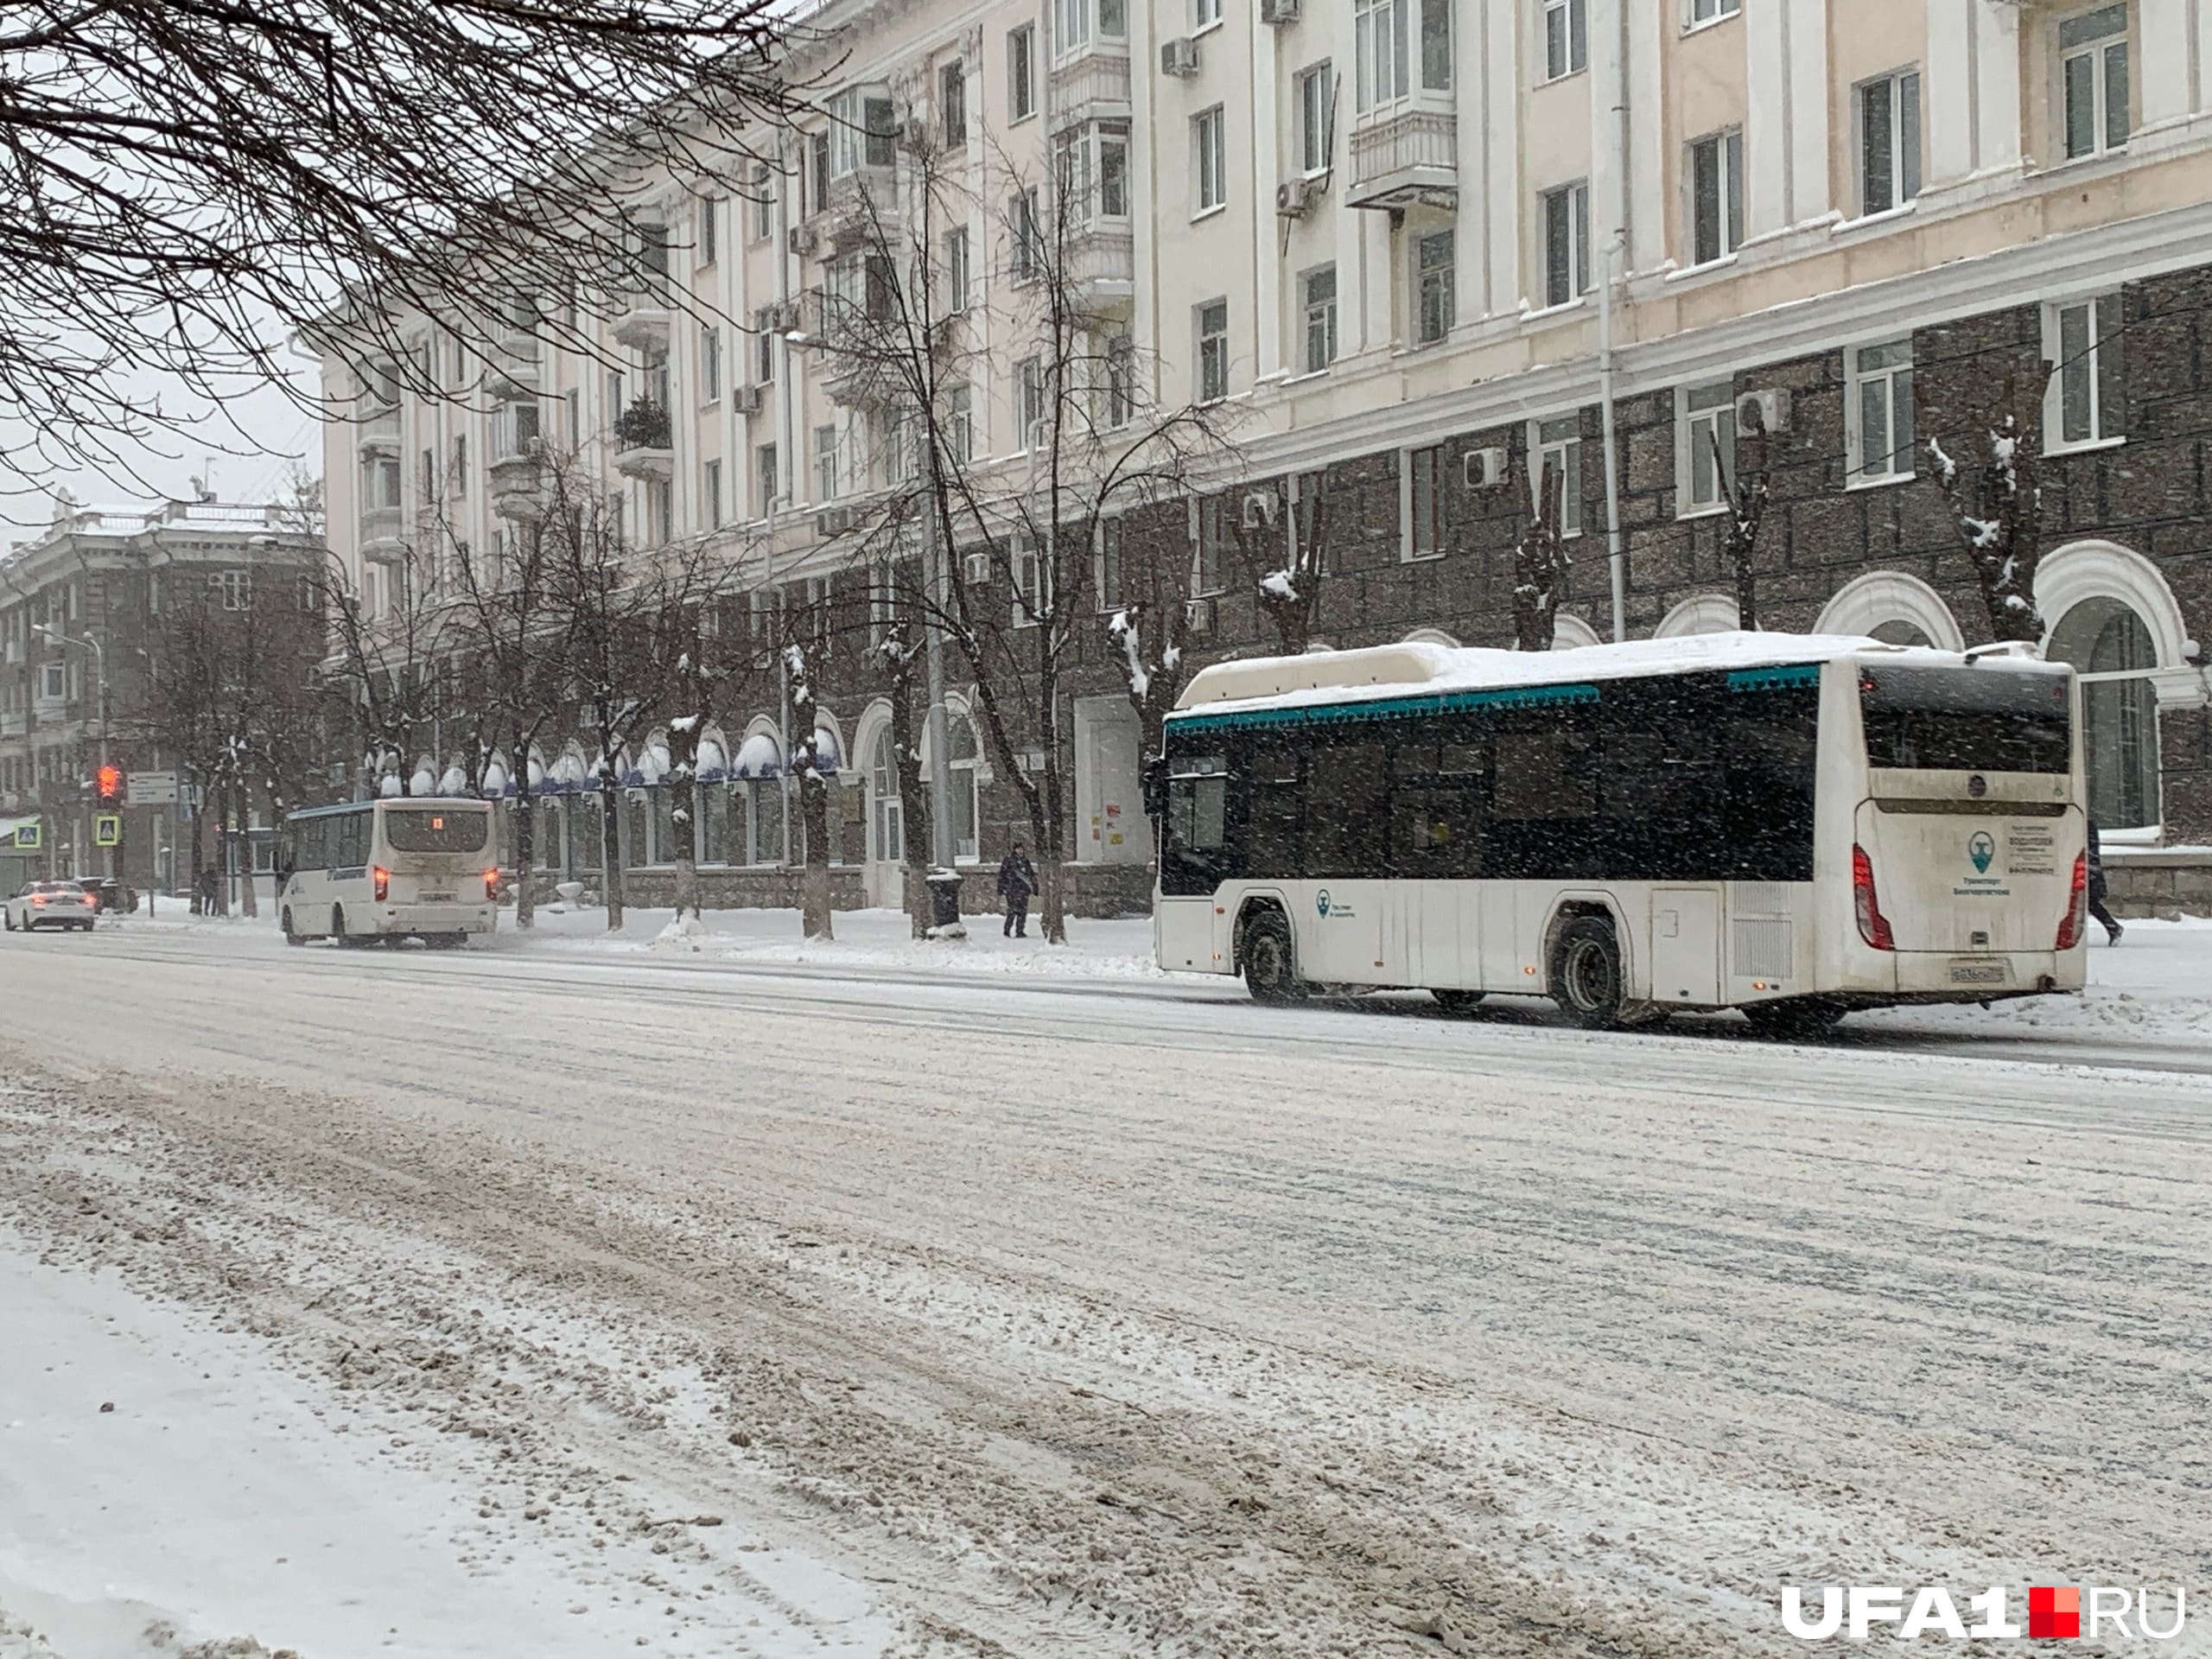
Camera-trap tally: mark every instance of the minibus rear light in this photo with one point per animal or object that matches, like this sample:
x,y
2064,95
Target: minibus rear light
x,y
382,877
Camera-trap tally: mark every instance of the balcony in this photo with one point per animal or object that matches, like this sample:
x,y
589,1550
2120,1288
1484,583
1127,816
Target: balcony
x,y
644,442
858,210
1101,266
642,315
50,711
519,486
14,724
1404,156
380,435
384,535
1092,84
514,361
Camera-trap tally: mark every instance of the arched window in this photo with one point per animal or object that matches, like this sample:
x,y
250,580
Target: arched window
x,y
885,825
1894,607
1700,614
2113,653
961,761
1570,633
1897,631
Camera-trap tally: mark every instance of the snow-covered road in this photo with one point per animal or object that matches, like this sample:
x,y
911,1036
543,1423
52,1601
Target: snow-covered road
x,y
783,1308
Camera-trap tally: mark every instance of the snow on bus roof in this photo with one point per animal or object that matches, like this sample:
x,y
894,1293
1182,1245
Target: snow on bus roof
x,y
1415,669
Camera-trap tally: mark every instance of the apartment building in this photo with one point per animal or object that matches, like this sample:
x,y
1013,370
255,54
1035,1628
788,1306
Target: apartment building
x,y
82,604
1418,249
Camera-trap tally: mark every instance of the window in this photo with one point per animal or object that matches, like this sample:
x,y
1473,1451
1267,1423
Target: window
x,y
1385,55
960,421
952,104
764,478
1121,380
1213,351
1889,143
1435,277
1110,564
1033,582
1021,71
863,132
2093,81
763,203
53,680
1320,288
1712,11
962,756
235,587
710,494
1566,243
1211,545
1566,37
1028,400
1028,231
710,230
1205,14
460,465
1557,447
1207,141
1880,438
1114,174
2083,403
710,364
1071,27
764,349
825,463
1092,165
2113,655
1716,197
1317,115
956,271
1424,500
818,171
1707,423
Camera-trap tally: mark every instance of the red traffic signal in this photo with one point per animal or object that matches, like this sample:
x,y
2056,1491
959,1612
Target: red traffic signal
x,y
110,782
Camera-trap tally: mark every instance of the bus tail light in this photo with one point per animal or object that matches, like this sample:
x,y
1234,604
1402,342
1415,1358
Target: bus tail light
x,y
491,886
1873,926
2077,906
382,877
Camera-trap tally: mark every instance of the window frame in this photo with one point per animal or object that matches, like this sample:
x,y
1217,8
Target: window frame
x,y
1908,163
1688,420
2105,320
1857,378
1729,206
1020,73
1410,508
2098,50
1315,92
1210,161
1571,19
1576,197
710,492
1704,14
959,273
1546,444
1212,355
710,364
952,104
1445,278
1322,313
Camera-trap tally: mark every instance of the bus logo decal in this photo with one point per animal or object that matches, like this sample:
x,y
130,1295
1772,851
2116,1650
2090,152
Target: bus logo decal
x,y
1321,901
1982,850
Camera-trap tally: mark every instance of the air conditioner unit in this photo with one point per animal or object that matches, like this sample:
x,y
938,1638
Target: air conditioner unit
x,y
804,241
1293,197
835,521
1279,11
1259,509
913,133
1179,58
1486,468
781,317
975,569
1762,411
1198,618
748,400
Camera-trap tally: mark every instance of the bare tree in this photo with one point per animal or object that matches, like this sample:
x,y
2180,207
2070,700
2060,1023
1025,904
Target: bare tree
x,y
191,182
1151,627
1540,564
1988,451
709,672
813,793
390,640
1749,491
1283,544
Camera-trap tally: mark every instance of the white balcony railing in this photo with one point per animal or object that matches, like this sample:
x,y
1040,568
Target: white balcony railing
x,y
1405,155
1092,83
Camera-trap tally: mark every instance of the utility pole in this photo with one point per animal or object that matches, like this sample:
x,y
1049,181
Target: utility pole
x,y
934,563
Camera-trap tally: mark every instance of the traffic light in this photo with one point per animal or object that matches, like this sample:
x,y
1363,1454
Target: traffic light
x,y
111,783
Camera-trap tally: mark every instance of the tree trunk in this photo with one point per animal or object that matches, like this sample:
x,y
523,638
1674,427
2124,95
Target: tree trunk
x,y
683,770
525,845
814,821
1049,823
915,822
249,904
610,847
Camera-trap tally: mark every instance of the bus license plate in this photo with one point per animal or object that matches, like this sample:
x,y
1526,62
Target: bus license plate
x,y
1978,973
437,898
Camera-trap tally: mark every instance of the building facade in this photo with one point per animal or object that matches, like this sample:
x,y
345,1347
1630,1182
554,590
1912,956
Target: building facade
x,y
89,609
1416,250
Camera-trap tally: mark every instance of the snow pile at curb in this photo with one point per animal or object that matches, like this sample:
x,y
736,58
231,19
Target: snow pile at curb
x,y
685,934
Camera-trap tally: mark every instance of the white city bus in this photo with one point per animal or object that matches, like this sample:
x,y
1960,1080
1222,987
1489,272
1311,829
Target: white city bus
x,y
388,869
1789,825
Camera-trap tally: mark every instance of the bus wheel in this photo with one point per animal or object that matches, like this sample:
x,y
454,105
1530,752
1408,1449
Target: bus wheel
x,y
291,935
1806,1019
1456,1001
338,929
1586,973
1270,968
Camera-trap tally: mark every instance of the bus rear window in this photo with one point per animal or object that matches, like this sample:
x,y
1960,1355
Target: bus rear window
x,y
423,830
1977,719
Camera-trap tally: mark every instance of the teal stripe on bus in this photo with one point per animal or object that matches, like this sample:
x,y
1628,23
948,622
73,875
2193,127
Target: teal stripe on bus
x,y
1337,713
1768,679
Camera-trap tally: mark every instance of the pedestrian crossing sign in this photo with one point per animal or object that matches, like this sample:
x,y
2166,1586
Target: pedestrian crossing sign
x,y
27,837
107,829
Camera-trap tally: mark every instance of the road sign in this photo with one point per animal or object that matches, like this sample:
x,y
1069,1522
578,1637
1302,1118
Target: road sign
x,y
151,788
107,829
27,837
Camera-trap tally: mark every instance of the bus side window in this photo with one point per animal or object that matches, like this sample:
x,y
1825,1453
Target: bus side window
x,y
1773,743
1275,799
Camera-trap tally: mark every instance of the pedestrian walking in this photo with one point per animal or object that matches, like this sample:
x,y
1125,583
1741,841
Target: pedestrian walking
x,y
1017,881
2097,889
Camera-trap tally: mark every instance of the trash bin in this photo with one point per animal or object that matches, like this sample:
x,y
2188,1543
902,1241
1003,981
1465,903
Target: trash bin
x,y
945,898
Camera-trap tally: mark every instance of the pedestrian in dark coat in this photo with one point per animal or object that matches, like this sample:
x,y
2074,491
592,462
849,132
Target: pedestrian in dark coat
x,y
2097,888
1017,881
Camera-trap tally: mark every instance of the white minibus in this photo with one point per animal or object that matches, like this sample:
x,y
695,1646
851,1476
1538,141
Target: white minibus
x,y
388,869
